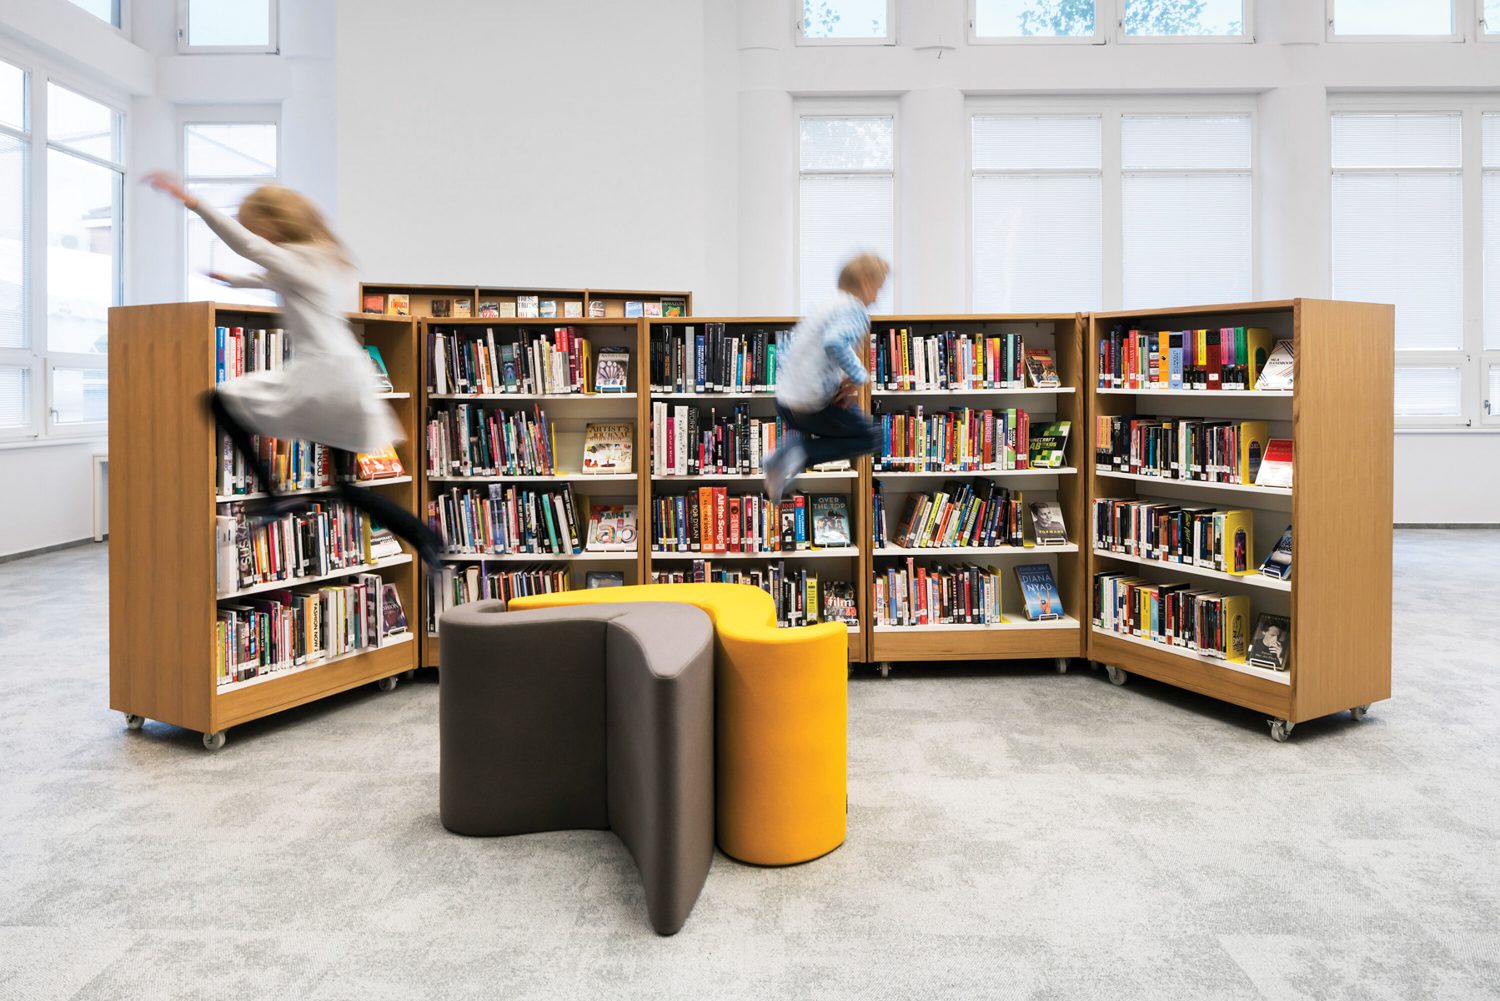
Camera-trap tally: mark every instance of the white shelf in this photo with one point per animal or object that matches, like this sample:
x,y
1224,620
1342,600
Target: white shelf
x,y
1066,622
1279,677
1070,547
827,553
584,557
280,585
526,397
1168,481
838,474
1029,391
1249,580
677,395
538,478
1239,394
392,396
384,481
950,474
235,686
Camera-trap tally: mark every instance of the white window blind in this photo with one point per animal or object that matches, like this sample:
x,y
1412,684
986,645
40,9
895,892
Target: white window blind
x,y
1398,222
1201,17
1037,227
15,275
222,163
1428,391
1492,236
15,397
846,200
1186,209
1393,17
1029,19
1492,392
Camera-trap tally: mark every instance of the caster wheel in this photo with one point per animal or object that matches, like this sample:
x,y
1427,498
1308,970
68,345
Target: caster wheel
x,y
1061,663
134,722
214,741
387,684
1116,676
409,675
1360,712
1280,730
885,670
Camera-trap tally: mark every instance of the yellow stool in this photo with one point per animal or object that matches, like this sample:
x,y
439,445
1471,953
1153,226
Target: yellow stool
x,y
781,718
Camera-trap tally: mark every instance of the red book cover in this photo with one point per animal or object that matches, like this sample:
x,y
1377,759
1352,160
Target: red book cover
x,y
1023,440
1215,361
734,525
706,519
921,609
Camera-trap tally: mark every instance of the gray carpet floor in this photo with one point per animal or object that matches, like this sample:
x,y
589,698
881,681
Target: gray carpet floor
x,y
1012,834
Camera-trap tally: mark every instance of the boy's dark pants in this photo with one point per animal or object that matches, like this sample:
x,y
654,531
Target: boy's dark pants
x,y
834,433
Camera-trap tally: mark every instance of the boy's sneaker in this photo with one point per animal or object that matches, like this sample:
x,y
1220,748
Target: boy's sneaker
x,y
782,470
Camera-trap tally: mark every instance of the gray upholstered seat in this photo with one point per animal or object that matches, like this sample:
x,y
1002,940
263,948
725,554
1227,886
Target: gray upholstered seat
x,y
593,716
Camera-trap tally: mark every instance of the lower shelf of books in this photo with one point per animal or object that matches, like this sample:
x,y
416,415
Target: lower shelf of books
x,y
826,553
585,557
1015,638
245,701
1231,681
235,686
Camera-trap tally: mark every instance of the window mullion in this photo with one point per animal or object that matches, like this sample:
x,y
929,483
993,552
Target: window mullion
x,y
36,245
1473,271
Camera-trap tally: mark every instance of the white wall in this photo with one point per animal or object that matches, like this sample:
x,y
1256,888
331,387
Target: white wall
x,y
548,144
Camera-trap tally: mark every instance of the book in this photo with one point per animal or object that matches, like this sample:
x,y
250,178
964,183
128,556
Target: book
x,y
527,307
547,308
604,578
504,519
441,308
612,372
378,465
596,309
959,440
1277,371
1041,367
634,310
608,448
830,514
1039,591
1209,450
1048,447
1278,562
674,307
652,309
612,528
489,310
1276,464
373,302
382,375
383,543
572,309
1272,638
393,616
398,304
508,309
904,360
463,308
1047,523
227,553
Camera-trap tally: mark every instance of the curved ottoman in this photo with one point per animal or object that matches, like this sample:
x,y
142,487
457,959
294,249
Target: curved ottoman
x,y
598,718
781,718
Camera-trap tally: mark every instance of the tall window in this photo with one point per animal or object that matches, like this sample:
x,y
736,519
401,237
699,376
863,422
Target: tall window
x,y
105,10
1037,217
846,200
1186,209
85,179
226,25
1398,237
222,163
845,21
17,361
1355,18
1491,183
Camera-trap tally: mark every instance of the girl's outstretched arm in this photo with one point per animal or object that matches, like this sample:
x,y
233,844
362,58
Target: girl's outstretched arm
x,y
257,280
282,267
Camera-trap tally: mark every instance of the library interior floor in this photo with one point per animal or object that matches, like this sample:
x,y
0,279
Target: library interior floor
x,y
1050,836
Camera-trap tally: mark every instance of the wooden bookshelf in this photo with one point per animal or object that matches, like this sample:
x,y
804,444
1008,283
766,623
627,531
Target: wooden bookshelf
x,y
163,502
613,300
569,413
1016,637
1339,417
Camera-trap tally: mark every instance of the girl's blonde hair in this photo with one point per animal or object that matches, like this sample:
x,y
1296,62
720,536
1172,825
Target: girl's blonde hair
x,y
866,270
282,215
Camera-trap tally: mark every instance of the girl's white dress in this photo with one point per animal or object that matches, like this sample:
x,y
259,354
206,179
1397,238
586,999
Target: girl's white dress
x,y
325,392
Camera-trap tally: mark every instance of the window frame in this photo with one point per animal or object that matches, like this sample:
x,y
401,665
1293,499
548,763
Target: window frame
x,y
1099,37
218,115
1245,37
1112,109
1479,22
1458,20
27,357
865,108
273,47
798,10
1470,357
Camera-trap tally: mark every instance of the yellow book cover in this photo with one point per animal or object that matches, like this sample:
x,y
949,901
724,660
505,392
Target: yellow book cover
x,y
1260,341
1202,354
811,607
906,368
1236,537
1163,373
586,363
1236,626
1253,438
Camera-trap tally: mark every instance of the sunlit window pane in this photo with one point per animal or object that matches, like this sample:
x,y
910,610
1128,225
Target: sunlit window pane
x,y
1429,392
14,258
1174,17
1393,17
230,149
15,396
83,211
1032,19
12,96
105,10
80,395
237,23
844,19
207,253
82,124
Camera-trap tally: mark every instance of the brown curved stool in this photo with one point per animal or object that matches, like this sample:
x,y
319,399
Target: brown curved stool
x,y
596,717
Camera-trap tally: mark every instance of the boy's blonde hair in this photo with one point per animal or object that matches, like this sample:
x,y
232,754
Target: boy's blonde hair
x,y
282,215
864,271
